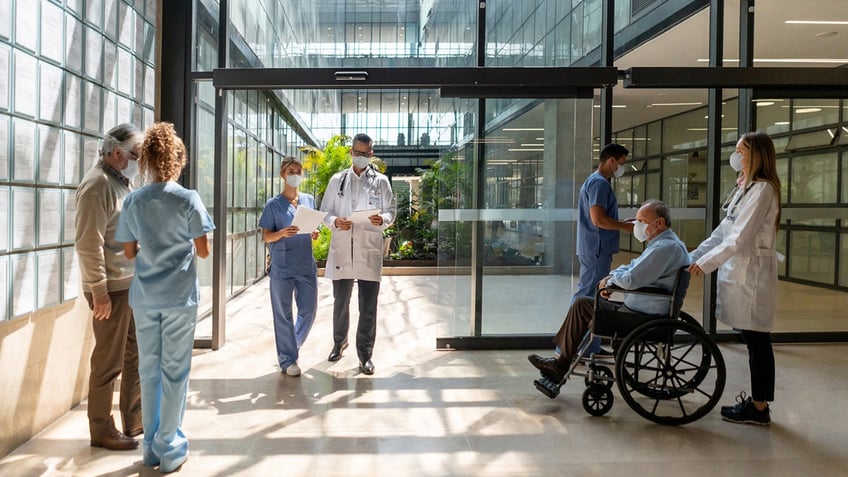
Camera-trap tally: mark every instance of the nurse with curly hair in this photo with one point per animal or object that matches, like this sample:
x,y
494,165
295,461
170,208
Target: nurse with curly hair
x,y
164,226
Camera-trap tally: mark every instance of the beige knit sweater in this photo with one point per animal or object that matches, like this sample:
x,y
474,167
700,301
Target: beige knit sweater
x,y
103,265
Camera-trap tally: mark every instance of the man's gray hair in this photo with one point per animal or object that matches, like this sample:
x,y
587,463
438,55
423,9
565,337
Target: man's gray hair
x,y
122,135
659,209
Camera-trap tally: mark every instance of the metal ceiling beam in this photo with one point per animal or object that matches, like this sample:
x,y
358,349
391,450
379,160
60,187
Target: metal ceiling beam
x,y
762,78
406,78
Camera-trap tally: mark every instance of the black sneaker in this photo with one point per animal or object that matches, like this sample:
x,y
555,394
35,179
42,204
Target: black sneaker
x,y
746,413
741,401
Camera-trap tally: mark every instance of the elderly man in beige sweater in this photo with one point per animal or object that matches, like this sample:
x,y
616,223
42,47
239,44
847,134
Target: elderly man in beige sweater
x,y
106,274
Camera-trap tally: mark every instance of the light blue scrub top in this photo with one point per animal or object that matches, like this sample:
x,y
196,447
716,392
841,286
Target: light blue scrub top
x,y
290,256
592,240
165,218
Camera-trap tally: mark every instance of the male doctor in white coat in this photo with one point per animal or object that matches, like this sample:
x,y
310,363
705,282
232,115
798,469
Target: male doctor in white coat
x,y
356,249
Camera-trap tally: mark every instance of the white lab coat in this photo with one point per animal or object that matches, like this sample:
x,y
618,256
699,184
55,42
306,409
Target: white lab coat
x,y
358,252
742,249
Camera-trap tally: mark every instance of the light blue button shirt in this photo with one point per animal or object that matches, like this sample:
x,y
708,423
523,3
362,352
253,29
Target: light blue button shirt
x,y
656,267
165,218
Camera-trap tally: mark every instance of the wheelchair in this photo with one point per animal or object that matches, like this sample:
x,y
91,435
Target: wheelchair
x,y
667,368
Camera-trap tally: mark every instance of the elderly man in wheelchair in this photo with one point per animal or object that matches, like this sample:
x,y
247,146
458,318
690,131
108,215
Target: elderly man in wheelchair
x,y
662,363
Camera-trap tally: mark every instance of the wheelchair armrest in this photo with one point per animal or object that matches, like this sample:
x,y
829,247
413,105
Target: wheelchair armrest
x,y
638,291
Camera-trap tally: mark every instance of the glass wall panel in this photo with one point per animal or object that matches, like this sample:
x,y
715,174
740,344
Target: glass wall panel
x,y
814,179
807,113
528,243
812,256
843,260
67,75
685,131
772,115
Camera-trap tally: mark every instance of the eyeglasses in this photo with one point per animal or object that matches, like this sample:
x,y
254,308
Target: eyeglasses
x,y
360,153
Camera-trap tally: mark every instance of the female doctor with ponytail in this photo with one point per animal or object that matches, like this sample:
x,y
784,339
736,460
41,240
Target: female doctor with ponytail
x,y
741,248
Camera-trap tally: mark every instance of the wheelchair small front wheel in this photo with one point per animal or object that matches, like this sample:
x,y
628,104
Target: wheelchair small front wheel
x,y
597,399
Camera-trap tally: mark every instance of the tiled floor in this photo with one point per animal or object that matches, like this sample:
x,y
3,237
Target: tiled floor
x,y
450,413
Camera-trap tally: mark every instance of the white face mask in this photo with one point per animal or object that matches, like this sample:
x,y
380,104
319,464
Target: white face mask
x,y
361,162
131,171
736,161
640,231
619,172
294,180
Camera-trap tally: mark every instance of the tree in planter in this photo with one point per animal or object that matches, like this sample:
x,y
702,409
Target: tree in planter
x,y
413,232
447,185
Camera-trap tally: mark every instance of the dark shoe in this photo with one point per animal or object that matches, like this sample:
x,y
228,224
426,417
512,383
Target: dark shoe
x,y
741,401
746,413
115,440
134,431
367,367
336,354
548,367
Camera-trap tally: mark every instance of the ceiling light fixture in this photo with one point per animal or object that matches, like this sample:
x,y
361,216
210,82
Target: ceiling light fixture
x,y
532,145
816,22
787,60
523,129
676,104
807,110
520,150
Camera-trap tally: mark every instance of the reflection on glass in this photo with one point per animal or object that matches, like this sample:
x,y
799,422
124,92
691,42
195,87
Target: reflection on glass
x,y
814,179
812,256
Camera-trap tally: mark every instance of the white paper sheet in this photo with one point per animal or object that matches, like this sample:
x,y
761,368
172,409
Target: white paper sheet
x,y
361,216
307,220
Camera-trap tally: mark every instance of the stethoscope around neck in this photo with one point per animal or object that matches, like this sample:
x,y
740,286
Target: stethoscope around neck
x,y
369,173
730,205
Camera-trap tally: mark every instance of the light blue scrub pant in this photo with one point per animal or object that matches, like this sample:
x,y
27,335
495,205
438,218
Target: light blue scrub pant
x,y
165,342
291,334
593,268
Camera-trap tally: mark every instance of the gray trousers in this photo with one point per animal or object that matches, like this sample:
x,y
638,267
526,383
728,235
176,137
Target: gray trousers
x,y
366,328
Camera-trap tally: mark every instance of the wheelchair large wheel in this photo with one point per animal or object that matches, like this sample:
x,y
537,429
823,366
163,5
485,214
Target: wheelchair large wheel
x,y
670,372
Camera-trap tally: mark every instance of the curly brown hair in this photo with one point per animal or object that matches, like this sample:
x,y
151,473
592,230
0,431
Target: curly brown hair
x,y
163,154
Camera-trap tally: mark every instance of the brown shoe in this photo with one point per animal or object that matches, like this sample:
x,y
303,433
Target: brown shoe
x,y
115,440
134,431
548,367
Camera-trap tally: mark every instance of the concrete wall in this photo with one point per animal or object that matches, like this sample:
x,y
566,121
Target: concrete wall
x,y
44,366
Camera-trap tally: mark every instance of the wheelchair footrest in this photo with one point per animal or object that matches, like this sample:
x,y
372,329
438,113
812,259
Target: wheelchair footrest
x,y
547,387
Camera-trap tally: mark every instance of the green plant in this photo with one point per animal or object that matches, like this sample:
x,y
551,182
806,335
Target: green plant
x,y
446,184
321,245
320,164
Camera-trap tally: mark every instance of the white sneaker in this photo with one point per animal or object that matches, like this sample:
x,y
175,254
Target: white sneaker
x,y
293,370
